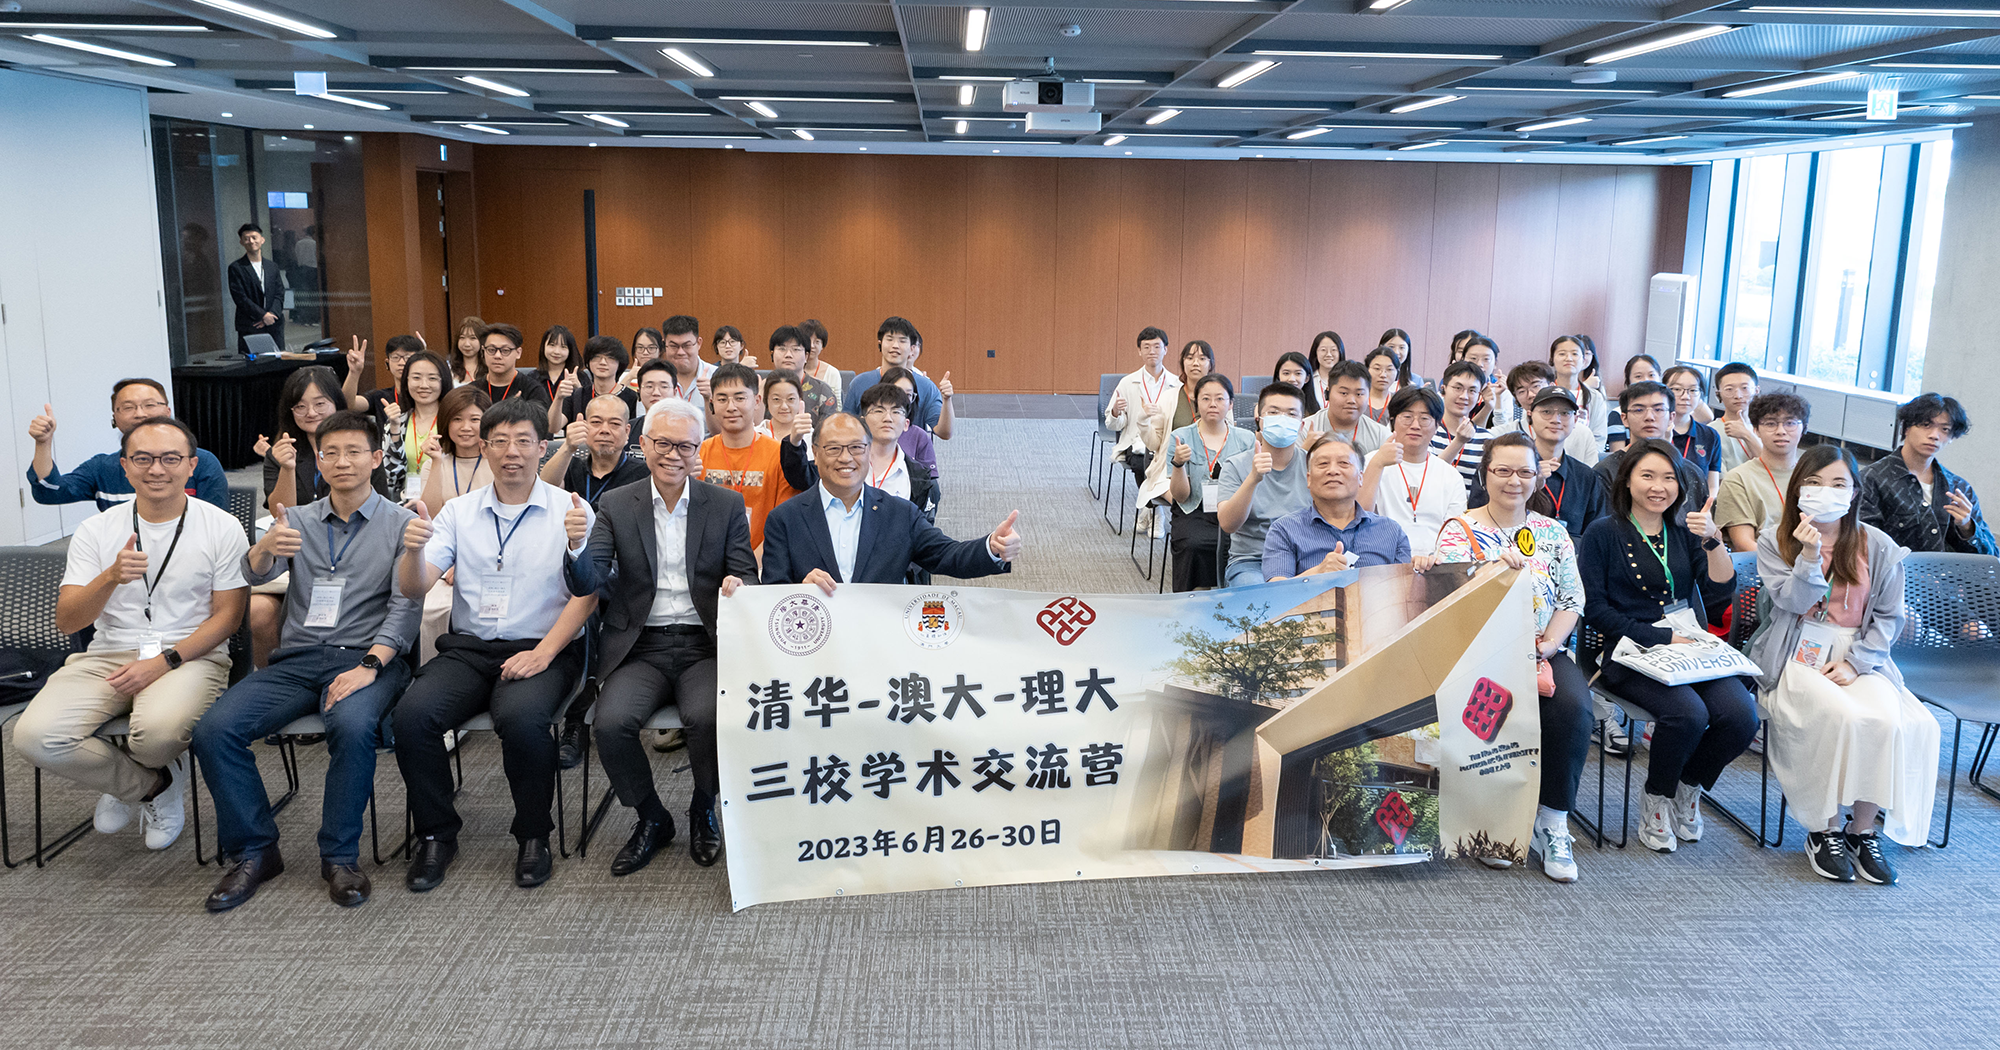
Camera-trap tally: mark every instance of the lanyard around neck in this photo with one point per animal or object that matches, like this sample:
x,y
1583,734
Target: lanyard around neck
x,y
1659,552
139,544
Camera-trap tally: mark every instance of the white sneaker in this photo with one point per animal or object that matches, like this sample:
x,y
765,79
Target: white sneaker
x,y
1687,813
1159,524
1556,849
112,815
1496,863
164,816
1145,521
1655,826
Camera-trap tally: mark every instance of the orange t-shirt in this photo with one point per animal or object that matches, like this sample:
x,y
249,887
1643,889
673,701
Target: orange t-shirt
x,y
753,471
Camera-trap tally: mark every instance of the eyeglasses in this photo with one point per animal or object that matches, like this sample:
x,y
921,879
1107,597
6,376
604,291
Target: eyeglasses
x,y
884,410
843,451
145,460
665,447
1504,473
505,444
683,344
1786,424
341,455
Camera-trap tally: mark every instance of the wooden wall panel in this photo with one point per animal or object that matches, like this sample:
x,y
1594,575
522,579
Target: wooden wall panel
x,y
1215,219
1054,265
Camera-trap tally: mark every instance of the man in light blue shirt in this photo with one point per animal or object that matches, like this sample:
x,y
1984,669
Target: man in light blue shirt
x,y
1332,533
516,641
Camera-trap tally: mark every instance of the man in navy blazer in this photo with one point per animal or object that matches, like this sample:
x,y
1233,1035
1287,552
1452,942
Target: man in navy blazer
x,y
842,531
257,291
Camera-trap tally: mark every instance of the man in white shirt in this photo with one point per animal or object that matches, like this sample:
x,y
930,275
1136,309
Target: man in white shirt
x,y
1405,481
1142,411
516,641
161,579
661,555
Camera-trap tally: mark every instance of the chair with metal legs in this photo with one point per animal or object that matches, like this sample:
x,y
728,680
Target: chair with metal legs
x,y
1949,654
30,578
668,717
1101,439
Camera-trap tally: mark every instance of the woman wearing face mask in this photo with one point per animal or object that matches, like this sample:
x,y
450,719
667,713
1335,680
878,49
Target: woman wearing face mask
x,y
1405,481
1844,732
1194,455
1293,368
1639,567
1382,373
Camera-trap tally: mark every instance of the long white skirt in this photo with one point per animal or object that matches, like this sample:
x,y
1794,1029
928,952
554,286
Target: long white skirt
x,y
1832,746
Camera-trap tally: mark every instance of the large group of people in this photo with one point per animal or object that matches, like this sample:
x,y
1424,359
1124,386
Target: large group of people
x,y
1625,509
538,542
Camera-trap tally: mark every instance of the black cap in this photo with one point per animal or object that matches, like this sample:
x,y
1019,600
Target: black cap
x,y
1553,393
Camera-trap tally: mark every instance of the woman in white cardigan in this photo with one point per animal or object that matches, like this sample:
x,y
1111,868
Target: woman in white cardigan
x,y
1844,732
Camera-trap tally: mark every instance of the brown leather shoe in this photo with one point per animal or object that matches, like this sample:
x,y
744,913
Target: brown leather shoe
x,y
240,882
346,885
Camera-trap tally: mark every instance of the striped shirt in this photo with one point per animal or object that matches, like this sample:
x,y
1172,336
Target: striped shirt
x,y
1468,457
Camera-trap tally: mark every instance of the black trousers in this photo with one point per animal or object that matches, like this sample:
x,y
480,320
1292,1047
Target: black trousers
x,y
1196,539
460,682
1701,729
1567,719
666,665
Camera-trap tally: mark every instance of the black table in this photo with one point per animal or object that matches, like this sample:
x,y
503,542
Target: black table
x,y
229,405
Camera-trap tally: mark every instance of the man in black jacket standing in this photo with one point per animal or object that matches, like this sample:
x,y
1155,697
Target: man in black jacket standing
x,y
257,290
660,556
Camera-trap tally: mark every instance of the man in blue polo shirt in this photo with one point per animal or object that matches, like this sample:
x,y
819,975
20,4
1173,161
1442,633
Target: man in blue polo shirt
x,y
1332,533
102,477
897,339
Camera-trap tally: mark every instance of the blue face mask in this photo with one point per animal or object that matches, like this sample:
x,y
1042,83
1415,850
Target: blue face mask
x,y
1280,431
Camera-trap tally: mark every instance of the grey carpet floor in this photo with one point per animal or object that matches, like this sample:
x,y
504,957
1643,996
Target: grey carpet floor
x,y
1721,944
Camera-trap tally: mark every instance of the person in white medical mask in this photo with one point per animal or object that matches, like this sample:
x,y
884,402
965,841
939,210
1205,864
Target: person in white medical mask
x,y
1844,732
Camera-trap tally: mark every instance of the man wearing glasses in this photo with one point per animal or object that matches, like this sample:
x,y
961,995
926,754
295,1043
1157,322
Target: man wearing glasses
x,y
340,656
102,477
682,351
161,580
515,646
500,351
1753,495
815,537
660,557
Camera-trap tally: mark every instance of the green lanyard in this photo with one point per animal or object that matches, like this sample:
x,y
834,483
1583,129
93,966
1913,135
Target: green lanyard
x,y
1659,552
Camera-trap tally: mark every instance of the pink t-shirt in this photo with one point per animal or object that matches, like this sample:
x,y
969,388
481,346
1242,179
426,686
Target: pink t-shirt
x,y
1846,603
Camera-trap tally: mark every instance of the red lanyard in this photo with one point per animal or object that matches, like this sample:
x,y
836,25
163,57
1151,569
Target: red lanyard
x,y
1559,496
1152,396
1687,450
876,482
1775,487
1422,480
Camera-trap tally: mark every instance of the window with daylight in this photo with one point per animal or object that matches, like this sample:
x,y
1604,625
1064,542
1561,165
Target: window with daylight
x,y
1821,264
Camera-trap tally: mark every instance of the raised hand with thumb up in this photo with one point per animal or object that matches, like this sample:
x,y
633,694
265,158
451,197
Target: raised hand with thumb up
x,y
1005,543
1702,522
576,523
944,385
280,540
42,428
418,532
1182,453
131,562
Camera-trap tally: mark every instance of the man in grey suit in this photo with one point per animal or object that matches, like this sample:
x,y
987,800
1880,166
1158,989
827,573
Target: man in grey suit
x,y
660,555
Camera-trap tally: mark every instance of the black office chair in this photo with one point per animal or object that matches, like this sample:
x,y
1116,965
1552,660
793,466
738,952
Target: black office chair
x,y
29,580
1949,653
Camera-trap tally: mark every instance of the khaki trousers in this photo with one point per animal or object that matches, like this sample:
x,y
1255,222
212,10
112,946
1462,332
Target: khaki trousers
x,y
58,731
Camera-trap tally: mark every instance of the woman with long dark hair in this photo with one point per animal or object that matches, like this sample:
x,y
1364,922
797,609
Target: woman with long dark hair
x,y
464,353
1575,362
404,438
1327,349
1197,360
1399,341
1844,732
1293,368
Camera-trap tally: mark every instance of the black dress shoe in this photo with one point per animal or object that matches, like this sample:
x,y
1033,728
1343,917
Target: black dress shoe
x,y
428,859
240,882
647,838
533,866
569,754
345,884
704,835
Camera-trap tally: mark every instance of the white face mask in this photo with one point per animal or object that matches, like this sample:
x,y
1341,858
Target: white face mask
x,y
1823,504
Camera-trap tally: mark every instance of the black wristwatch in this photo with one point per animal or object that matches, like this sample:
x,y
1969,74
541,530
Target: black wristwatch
x,y
173,658
1710,543
372,662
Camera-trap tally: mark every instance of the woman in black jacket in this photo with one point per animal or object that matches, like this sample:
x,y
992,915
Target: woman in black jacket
x,y
1638,566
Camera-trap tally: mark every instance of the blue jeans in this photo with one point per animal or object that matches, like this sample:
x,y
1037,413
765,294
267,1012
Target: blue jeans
x,y
292,687
1243,572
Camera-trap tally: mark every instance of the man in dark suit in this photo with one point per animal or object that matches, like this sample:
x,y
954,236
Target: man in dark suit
x,y
257,291
660,555
841,531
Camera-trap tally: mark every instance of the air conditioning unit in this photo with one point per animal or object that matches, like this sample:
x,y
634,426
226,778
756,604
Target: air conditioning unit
x,y
1047,96
1670,303
1065,123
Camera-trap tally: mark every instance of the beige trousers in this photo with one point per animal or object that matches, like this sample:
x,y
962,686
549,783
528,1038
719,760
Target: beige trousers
x,y
58,731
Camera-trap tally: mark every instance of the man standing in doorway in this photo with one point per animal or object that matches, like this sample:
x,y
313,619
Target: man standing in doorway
x,y
257,290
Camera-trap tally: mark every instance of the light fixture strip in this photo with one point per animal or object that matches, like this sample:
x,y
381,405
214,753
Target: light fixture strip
x,y
495,86
1437,100
977,20
762,110
98,49
1247,71
966,93
1659,43
1773,86
270,18
1162,117
1545,125
687,62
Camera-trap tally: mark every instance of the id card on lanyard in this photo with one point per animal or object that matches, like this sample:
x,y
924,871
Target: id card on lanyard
x,y
150,643
326,590
496,588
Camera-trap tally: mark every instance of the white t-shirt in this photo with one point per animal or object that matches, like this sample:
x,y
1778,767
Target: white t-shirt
x,y
1438,491
208,559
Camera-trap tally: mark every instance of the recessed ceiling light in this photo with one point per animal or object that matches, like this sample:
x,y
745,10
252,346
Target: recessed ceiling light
x,y
864,149
1426,103
98,49
803,133
966,93
1558,123
762,109
229,114
1162,117
612,122
12,23
1663,41
746,40
538,70
1649,141
593,143
360,102
983,80
1114,80
802,98
976,19
493,85
1128,152
1440,56
484,128
1114,140
1307,133
270,18
1787,84
1385,5
1935,65
308,127
687,62
1914,12
689,135
960,127
1247,71
1420,145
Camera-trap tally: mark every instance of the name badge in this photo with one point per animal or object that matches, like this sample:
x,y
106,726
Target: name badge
x,y
495,591
150,645
1211,496
1816,642
325,609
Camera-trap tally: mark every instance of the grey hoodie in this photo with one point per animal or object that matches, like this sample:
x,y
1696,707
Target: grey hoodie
x,y
1790,591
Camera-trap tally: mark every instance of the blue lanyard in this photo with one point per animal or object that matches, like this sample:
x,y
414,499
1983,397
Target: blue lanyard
x,y
590,496
351,537
500,559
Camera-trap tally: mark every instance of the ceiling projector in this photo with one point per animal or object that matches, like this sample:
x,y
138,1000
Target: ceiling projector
x,y
1054,107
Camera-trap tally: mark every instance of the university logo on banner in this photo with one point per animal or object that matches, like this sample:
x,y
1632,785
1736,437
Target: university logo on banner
x,y
895,738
